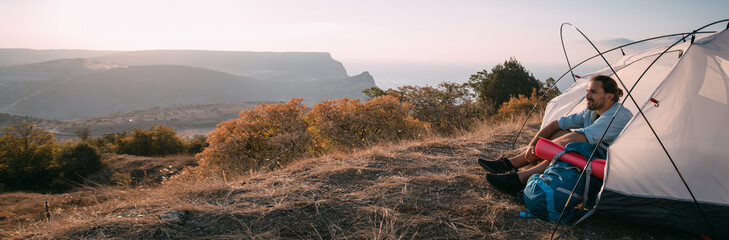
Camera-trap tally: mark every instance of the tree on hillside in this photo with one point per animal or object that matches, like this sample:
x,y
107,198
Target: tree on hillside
x,y
26,156
550,93
83,133
505,81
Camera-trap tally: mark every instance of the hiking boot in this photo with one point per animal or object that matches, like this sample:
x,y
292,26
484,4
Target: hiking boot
x,y
506,182
502,165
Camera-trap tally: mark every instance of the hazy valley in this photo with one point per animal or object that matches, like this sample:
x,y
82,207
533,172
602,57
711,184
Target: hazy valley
x,y
109,91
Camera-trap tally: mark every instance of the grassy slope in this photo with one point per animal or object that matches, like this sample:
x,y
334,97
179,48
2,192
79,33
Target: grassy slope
x,y
427,189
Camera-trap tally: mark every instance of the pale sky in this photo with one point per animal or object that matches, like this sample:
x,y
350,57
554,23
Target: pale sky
x,y
375,36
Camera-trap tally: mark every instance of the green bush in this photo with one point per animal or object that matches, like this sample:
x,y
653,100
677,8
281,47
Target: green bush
x,y
26,157
158,141
30,158
108,142
77,160
505,81
197,144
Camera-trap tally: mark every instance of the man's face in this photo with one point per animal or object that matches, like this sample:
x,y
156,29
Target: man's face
x,y
596,96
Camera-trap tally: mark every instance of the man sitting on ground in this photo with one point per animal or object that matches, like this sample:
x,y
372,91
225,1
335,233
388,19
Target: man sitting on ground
x,y
602,98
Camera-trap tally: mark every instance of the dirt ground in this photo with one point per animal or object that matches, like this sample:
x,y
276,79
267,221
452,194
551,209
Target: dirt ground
x,y
431,189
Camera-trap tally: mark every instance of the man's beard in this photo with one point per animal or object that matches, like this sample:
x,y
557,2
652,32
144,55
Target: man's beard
x,y
594,106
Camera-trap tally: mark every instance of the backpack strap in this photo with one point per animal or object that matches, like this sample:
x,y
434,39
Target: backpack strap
x,y
557,156
588,171
568,192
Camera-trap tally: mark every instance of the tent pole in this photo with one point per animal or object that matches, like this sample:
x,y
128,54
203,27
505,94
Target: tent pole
x,y
644,117
513,144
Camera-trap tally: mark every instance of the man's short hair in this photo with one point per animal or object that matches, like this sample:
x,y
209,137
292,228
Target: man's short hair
x,y
609,86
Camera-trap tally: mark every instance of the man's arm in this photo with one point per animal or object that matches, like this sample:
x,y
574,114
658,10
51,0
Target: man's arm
x,y
548,132
570,137
545,132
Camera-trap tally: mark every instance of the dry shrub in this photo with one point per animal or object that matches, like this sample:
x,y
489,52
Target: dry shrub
x,y
264,137
388,120
346,123
521,105
123,180
447,108
270,136
333,123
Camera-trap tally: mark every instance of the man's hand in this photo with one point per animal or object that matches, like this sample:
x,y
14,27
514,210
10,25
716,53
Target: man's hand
x,y
531,155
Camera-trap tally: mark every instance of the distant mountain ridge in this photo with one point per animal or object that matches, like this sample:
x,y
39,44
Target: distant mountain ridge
x,y
77,88
22,56
52,70
261,65
129,88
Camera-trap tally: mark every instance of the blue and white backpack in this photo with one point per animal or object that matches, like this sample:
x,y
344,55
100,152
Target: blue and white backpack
x,y
545,194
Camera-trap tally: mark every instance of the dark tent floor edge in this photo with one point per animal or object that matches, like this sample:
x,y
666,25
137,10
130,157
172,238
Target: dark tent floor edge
x,y
665,212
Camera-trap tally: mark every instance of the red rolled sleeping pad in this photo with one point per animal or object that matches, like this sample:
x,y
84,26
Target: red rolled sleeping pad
x,y
546,149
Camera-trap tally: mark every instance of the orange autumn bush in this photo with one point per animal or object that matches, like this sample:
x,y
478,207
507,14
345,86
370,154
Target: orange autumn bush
x,y
333,123
389,121
270,136
347,123
264,137
520,105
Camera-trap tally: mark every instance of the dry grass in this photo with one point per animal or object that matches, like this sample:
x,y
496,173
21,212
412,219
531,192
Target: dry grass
x,y
429,189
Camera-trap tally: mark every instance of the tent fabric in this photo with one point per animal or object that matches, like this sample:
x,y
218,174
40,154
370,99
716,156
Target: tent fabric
x,y
690,121
629,68
691,84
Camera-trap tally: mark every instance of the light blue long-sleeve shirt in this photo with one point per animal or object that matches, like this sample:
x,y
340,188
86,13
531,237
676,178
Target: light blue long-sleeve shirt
x,y
593,125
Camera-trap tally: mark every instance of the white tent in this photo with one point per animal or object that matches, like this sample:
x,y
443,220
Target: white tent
x,y
686,185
